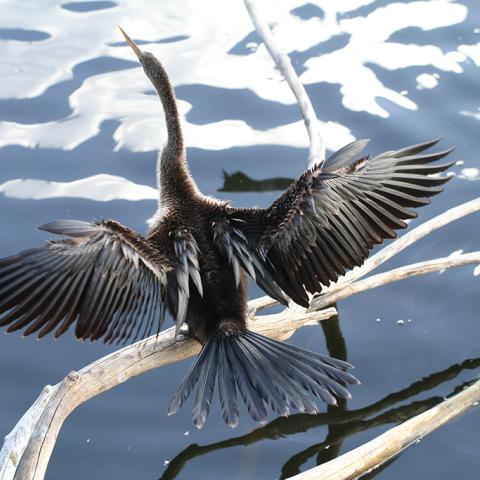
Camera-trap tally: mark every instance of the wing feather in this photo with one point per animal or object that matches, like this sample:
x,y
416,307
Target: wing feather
x,y
105,278
331,216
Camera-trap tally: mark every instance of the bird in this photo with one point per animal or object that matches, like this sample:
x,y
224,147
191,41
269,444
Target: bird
x,y
115,284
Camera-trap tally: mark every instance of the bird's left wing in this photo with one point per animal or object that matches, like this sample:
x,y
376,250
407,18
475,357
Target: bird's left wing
x,y
105,278
328,220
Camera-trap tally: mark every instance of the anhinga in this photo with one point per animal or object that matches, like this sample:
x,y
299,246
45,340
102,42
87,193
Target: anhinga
x,y
115,284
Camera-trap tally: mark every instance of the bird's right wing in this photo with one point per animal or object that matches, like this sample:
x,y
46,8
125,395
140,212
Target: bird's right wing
x,y
105,278
328,220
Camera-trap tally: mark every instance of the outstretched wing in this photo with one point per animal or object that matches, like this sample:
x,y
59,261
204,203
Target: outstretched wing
x,y
229,239
330,218
105,278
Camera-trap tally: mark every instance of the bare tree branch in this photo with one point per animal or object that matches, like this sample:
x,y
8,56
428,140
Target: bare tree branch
x,y
16,441
282,61
421,268
27,449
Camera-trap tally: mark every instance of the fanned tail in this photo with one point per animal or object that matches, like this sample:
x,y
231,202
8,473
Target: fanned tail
x,y
267,373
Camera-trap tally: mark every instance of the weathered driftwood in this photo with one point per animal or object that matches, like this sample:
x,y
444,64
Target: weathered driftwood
x,y
374,453
16,441
28,448
282,61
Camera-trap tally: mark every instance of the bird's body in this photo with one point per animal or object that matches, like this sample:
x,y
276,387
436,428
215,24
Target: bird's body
x,y
221,300
115,284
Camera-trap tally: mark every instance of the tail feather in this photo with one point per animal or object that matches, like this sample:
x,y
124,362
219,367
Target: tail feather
x,y
227,389
189,381
289,391
266,373
206,384
328,365
259,377
312,369
251,397
304,381
323,359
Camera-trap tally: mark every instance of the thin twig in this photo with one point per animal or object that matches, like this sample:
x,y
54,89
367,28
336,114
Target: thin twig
x,y
282,61
421,268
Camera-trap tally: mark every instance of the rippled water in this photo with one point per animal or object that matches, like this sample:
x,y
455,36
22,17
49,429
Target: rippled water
x,y
78,134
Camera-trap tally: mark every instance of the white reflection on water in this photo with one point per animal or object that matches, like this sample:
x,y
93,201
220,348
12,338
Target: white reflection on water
x,y
29,68
472,51
369,43
118,95
471,173
101,187
425,80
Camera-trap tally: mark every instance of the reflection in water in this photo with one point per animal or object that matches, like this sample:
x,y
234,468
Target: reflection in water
x,y
337,348
346,423
239,182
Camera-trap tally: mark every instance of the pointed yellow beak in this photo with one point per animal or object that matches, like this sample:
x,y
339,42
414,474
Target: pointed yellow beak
x,y
137,51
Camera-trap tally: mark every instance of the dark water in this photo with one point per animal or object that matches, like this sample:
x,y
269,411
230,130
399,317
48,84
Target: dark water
x,y
404,368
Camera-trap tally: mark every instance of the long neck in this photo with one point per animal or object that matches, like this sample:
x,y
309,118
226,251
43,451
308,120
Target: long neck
x,y
174,179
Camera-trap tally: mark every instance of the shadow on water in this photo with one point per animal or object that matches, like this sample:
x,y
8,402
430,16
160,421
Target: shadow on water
x,y
239,182
341,422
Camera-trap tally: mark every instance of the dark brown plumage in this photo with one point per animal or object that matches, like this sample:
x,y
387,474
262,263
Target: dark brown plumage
x,y
115,284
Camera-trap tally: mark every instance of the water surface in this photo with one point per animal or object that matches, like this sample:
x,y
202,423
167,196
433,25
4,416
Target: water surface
x,y
79,133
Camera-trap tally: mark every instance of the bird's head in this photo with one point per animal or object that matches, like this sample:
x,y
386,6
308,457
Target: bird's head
x,y
149,63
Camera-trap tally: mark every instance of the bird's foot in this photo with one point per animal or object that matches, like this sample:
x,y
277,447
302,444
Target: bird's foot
x,y
183,334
